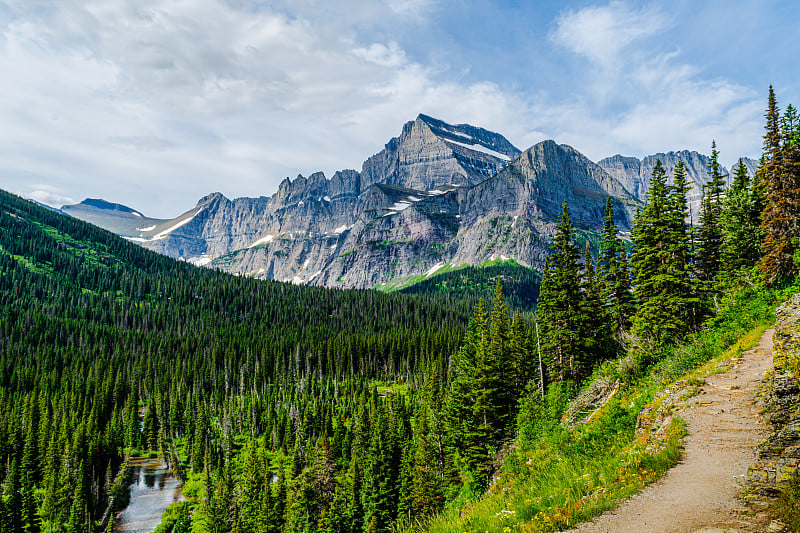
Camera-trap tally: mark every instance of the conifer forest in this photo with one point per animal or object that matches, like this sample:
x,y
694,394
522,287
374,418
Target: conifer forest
x,y
288,409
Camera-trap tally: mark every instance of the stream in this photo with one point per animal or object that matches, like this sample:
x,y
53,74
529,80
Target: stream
x,y
153,489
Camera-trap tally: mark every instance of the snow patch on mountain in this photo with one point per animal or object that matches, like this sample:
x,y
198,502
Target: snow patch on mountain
x,y
162,234
203,260
262,240
480,148
433,269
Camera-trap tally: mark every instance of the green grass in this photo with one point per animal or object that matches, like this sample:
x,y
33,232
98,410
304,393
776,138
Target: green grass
x,y
385,387
565,477
787,506
555,478
403,282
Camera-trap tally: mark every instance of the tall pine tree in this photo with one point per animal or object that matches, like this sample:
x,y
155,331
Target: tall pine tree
x,y
710,236
660,286
780,177
559,309
612,274
740,221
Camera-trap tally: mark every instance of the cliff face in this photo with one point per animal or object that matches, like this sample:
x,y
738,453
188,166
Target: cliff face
x,y
779,455
537,183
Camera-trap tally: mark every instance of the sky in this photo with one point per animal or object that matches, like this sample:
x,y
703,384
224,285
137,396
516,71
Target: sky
x,y
156,103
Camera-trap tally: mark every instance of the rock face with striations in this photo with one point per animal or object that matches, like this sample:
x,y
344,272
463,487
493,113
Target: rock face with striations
x,y
779,455
437,195
430,153
537,184
634,174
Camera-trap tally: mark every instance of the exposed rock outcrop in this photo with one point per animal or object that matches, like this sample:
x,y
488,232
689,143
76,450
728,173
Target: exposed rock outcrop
x,y
779,455
787,336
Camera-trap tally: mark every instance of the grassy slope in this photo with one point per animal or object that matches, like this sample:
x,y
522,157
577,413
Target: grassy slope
x,y
556,478
520,284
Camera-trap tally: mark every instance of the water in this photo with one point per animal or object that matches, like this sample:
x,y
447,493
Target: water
x,y
153,489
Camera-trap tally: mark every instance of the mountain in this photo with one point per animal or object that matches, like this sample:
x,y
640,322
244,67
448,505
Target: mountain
x,y
430,153
634,174
117,218
437,196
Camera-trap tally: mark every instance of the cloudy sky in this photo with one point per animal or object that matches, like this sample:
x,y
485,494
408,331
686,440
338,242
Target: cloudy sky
x,y
155,103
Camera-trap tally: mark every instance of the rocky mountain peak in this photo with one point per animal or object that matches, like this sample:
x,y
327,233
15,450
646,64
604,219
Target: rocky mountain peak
x,y
472,136
212,199
430,153
538,182
98,203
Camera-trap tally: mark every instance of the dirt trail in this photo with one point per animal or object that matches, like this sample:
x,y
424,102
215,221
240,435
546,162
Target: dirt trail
x,y
700,493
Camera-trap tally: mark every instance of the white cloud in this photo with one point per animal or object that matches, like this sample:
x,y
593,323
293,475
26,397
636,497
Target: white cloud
x,y
381,54
643,97
49,195
155,103
601,33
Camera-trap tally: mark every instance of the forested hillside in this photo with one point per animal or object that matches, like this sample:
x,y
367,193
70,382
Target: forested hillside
x,y
95,329
471,283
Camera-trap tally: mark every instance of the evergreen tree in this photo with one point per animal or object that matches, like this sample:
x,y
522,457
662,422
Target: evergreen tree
x,y
660,286
13,498
379,494
780,177
426,492
679,258
559,311
612,274
479,406
740,223
596,321
353,486
254,501
521,356
710,237
624,304
607,258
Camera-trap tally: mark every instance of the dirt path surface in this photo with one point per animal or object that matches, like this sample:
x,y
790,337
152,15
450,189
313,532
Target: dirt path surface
x,y
700,493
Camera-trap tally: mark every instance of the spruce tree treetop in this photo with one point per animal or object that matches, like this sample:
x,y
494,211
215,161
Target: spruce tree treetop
x,y
741,179
716,182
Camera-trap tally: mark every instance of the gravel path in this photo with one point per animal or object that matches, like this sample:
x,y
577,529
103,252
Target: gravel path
x,y
700,493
